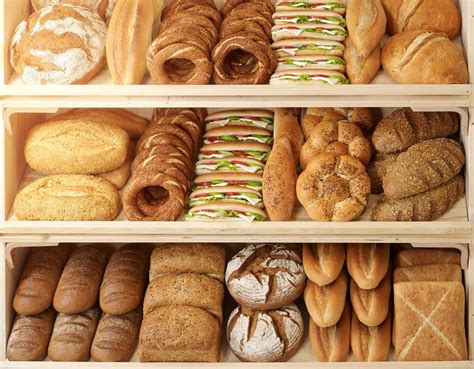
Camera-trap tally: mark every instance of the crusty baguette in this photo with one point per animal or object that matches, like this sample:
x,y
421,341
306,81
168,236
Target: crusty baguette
x,y
79,285
429,205
361,69
29,337
428,273
116,336
367,263
422,256
39,279
323,262
123,284
405,127
371,343
286,122
377,169
422,167
279,181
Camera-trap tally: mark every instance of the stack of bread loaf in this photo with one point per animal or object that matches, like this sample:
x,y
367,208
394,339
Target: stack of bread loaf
x,y
86,156
307,41
417,168
334,184
265,279
229,182
78,331
162,170
182,310
429,302
243,54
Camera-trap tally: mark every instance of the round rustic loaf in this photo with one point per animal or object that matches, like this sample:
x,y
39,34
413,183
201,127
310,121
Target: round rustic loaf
x,y
62,44
98,6
266,276
264,336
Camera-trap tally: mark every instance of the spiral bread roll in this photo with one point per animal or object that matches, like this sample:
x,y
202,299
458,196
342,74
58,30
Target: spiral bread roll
x,y
265,336
76,46
368,263
323,262
249,277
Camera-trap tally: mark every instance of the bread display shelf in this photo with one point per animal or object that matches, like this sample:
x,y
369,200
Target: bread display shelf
x,y
13,257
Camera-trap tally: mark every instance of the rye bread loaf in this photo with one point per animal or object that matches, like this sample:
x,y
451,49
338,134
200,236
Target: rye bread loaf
x,y
323,262
377,169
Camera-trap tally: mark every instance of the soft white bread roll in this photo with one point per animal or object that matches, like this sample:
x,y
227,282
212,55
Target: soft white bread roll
x,y
287,126
371,343
413,257
371,306
332,343
361,69
368,263
325,304
424,57
365,24
323,262
428,273
279,182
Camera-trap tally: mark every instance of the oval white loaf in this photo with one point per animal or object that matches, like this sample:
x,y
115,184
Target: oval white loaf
x,y
62,44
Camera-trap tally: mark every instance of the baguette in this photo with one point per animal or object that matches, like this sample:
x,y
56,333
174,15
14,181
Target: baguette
x,y
30,335
323,262
124,280
79,285
415,257
39,279
72,336
405,127
429,205
368,263
428,273
361,69
377,169
371,343
422,167
116,336
286,121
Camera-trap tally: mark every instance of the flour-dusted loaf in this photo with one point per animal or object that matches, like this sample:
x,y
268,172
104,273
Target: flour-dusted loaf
x,y
428,273
368,263
265,336
68,197
35,291
72,336
179,333
99,6
371,343
323,262
123,284
76,147
429,321
78,288
63,44
251,279
422,256
29,337
116,336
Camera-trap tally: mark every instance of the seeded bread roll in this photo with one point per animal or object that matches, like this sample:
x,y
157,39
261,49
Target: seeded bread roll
x,y
405,127
371,343
39,279
323,262
368,263
428,273
413,257
422,167
429,205
377,169
29,337
116,336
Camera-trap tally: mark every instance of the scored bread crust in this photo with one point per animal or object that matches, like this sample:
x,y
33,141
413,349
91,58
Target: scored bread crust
x,y
368,263
371,343
428,273
323,262
287,126
99,6
361,69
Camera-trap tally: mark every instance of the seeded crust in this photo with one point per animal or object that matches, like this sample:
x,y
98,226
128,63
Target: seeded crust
x,y
377,169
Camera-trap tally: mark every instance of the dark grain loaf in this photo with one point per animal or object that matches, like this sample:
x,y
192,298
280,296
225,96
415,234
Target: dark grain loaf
x,y
116,336
429,205
30,335
35,291
377,170
79,285
422,167
124,280
72,336
404,128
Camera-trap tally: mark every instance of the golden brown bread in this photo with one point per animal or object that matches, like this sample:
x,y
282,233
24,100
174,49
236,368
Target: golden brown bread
x,y
332,343
123,284
371,343
360,116
323,262
35,291
119,176
428,273
429,321
72,336
116,336
99,6
377,169
286,125
422,256
422,167
368,263
361,69
429,205
405,127
79,285
29,337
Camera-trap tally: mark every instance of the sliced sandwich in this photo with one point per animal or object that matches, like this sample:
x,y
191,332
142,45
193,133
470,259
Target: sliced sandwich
x,y
307,46
238,134
229,164
223,179
338,6
252,150
331,32
230,193
308,16
225,211
246,117
312,62
309,76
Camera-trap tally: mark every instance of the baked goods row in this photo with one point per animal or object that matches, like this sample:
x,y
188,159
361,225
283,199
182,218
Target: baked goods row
x,y
230,165
73,303
244,42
